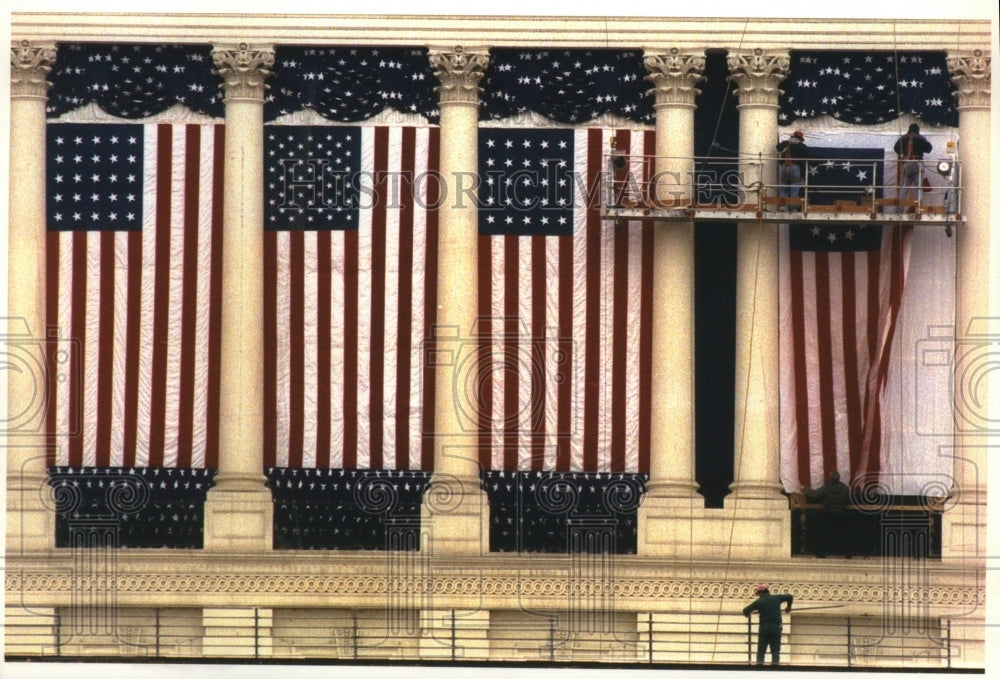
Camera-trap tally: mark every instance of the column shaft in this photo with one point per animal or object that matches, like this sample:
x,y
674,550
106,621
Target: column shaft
x,y
757,416
30,525
238,512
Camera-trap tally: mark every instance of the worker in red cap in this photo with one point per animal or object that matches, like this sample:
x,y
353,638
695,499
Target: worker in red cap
x,y
792,155
769,627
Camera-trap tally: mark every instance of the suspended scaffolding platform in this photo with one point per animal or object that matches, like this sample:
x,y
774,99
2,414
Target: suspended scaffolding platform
x,y
837,190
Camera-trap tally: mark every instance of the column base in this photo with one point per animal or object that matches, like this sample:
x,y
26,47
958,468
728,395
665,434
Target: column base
x,y
963,529
455,517
31,521
239,515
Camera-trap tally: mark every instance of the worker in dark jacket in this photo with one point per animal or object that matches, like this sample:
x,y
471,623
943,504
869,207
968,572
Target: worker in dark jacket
x,y
826,529
768,606
910,150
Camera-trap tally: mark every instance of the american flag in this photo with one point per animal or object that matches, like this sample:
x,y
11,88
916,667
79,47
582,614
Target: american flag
x,y
841,290
567,86
565,300
134,81
350,294
134,216
867,88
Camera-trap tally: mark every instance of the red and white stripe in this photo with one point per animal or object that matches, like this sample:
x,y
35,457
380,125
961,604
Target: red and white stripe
x,y
567,375
347,311
141,311
838,317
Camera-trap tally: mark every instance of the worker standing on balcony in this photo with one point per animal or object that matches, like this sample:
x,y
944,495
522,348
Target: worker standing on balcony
x,y
910,150
791,167
768,607
827,528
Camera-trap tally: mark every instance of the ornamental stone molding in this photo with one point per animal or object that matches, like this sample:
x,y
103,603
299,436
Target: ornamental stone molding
x,y
459,72
757,75
971,75
674,76
493,591
29,66
244,70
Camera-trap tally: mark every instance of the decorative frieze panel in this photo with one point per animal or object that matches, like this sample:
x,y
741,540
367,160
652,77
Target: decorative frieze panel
x,y
459,72
757,75
29,66
971,75
244,70
674,76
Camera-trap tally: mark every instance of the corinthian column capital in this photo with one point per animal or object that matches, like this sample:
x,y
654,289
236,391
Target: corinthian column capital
x,y
757,75
244,69
29,65
970,73
674,76
459,71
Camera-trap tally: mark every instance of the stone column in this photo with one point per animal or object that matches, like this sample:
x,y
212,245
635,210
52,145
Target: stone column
x,y
238,512
977,313
455,511
671,456
30,524
757,75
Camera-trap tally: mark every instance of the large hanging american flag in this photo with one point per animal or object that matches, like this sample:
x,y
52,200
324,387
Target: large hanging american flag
x,y
134,218
841,290
566,303
350,294
867,88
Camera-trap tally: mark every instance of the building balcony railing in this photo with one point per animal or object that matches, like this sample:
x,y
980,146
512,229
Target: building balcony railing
x,y
847,190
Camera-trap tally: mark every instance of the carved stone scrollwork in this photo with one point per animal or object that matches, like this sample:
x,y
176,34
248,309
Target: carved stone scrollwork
x,y
244,71
459,72
29,66
757,75
674,76
971,75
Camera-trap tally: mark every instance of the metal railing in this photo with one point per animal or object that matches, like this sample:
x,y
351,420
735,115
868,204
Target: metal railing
x,y
810,638
844,185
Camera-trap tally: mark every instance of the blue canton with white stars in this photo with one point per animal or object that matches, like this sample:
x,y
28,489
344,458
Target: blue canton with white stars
x,y
95,177
313,177
526,182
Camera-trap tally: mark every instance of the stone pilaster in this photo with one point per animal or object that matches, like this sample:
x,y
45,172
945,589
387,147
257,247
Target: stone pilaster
x,y
977,311
455,511
672,485
30,523
238,512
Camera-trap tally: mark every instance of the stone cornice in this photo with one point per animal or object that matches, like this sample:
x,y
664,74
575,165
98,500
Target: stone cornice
x,y
244,68
459,70
654,33
971,74
29,66
364,580
674,75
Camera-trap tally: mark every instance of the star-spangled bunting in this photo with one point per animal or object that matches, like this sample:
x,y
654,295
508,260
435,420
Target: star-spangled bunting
x,y
568,86
527,182
865,88
351,84
312,177
134,81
